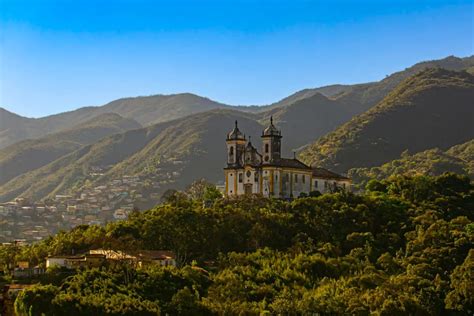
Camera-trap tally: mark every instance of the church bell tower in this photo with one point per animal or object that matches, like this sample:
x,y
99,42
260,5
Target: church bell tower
x,y
271,139
235,147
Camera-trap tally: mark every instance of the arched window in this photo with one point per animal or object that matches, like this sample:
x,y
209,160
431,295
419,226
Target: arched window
x,y
266,148
231,151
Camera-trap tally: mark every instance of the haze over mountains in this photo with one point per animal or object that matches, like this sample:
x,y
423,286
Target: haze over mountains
x,y
180,138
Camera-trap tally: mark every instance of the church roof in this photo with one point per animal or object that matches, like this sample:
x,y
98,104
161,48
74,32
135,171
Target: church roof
x,y
326,174
289,163
271,130
235,134
250,146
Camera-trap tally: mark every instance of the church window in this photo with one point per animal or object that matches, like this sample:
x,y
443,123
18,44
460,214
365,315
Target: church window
x,y
231,151
267,158
249,173
296,178
266,148
316,183
256,177
240,178
304,179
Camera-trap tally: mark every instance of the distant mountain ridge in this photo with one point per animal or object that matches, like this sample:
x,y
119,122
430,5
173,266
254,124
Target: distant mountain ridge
x,y
148,110
194,140
28,155
177,151
145,110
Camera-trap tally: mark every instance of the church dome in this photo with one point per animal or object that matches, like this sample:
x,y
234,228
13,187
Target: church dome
x,y
271,130
235,134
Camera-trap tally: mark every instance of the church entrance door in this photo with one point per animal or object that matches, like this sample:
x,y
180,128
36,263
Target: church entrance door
x,y
248,188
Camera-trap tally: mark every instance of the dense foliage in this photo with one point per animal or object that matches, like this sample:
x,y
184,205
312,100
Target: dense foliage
x,y
458,159
419,114
402,247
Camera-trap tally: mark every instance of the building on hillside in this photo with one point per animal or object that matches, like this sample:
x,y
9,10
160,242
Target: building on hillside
x,y
74,262
250,172
138,257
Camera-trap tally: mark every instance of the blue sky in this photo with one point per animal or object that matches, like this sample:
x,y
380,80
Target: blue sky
x,y
60,55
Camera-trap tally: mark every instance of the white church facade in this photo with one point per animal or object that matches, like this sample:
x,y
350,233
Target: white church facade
x,y
250,172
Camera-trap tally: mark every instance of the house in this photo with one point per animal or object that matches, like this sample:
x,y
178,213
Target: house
x,y
74,262
85,261
159,257
59,261
250,172
139,257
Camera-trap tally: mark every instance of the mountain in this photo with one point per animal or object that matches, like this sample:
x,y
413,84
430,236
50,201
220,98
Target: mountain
x,y
327,91
306,120
433,108
146,110
360,97
14,128
172,153
160,108
433,162
189,149
28,155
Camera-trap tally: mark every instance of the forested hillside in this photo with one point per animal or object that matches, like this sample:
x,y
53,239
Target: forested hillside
x,y
29,155
404,247
306,120
434,162
433,108
146,110
194,147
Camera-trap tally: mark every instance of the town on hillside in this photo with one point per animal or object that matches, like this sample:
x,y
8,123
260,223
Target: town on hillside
x,y
248,171
28,221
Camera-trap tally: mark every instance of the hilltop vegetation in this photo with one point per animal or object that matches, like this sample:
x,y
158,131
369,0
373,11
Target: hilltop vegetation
x,y
403,247
430,109
458,159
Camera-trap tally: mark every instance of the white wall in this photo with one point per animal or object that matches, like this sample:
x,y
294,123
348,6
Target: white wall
x,y
61,262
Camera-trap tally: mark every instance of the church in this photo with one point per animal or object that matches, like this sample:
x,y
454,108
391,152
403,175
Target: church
x,y
250,172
